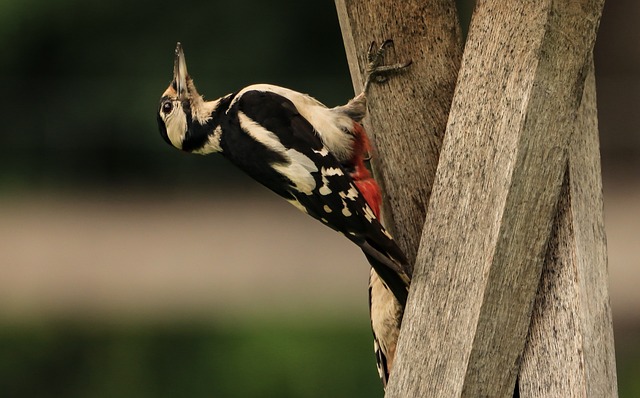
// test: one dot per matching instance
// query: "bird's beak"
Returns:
(180, 74)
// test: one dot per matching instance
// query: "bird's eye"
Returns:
(167, 107)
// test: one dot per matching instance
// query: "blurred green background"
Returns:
(129, 269)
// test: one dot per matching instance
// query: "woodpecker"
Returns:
(312, 156)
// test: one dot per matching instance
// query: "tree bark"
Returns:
(569, 351)
(494, 198)
(408, 113)
(518, 186)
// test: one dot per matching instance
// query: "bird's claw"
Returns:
(376, 70)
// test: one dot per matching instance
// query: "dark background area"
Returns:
(115, 275)
(83, 80)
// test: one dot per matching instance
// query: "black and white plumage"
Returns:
(302, 151)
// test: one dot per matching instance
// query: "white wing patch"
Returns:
(260, 134)
(332, 127)
(298, 166)
(298, 171)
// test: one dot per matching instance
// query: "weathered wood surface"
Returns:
(407, 114)
(494, 198)
(569, 351)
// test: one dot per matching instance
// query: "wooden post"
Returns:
(517, 186)
(494, 198)
(569, 351)
(491, 216)
(408, 115)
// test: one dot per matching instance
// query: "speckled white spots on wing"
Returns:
(327, 209)
(345, 210)
(324, 189)
(323, 152)
(332, 171)
(351, 194)
(328, 172)
(368, 213)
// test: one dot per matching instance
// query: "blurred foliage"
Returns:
(82, 80)
(261, 360)
(248, 360)
(628, 361)
(628, 372)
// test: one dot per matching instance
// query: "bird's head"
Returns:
(178, 103)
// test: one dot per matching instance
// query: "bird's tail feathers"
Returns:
(390, 272)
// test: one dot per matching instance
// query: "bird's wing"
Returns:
(317, 181)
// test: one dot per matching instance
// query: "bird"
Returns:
(309, 154)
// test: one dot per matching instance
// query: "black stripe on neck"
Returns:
(197, 134)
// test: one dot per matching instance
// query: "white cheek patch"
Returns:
(176, 123)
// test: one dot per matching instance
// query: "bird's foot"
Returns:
(376, 70)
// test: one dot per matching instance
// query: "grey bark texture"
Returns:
(494, 198)
(569, 351)
(517, 188)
